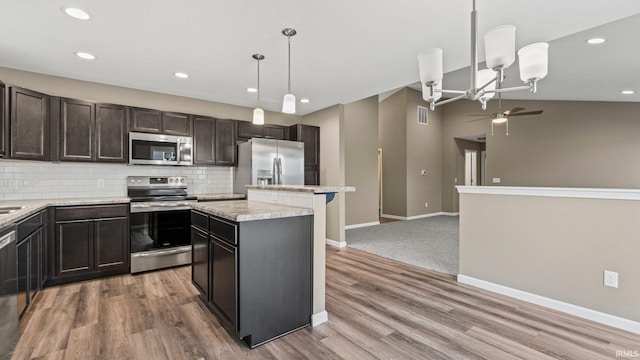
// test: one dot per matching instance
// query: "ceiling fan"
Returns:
(501, 117)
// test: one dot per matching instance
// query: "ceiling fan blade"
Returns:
(484, 118)
(514, 110)
(536, 112)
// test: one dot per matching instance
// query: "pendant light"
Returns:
(289, 101)
(258, 113)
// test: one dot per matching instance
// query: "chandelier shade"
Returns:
(430, 66)
(500, 46)
(534, 61)
(485, 76)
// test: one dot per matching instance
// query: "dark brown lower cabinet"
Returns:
(90, 242)
(260, 274)
(200, 259)
(32, 235)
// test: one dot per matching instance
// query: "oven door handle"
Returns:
(163, 253)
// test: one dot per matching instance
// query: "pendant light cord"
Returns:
(258, 100)
(289, 48)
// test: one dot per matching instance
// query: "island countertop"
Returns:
(246, 210)
(316, 189)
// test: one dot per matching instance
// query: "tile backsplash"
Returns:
(46, 180)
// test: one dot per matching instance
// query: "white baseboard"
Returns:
(355, 226)
(395, 217)
(339, 244)
(589, 314)
(319, 318)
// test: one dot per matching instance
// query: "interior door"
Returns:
(470, 167)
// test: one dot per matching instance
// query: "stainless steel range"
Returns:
(160, 222)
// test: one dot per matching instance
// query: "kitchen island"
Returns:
(252, 263)
(311, 197)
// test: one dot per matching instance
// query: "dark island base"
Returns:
(255, 276)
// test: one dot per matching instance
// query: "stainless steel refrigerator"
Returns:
(269, 162)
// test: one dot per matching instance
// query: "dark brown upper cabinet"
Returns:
(29, 124)
(158, 122)
(310, 136)
(4, 122)
(214, 141)
(225, 142)
(111, 133)
(275, 132)
(203, 140)
(247, 130)
(77, 123)
(92, 132)
(176, 124)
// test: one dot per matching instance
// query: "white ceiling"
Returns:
(344, 50)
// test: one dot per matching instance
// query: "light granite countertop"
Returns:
(316, 189)
(218, 196)
(244, 210)
(33, 206)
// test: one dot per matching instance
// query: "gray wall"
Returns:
(424, 152)
(554, 247)
(392, 141)
(572, 144)
(361, 160)
(331, 163)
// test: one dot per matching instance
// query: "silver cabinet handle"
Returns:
(162, 253)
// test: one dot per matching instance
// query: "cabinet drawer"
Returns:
(224, 230)
(91, 212)
(200, 220)
(31, 224)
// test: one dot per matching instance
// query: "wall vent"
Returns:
(423, 115)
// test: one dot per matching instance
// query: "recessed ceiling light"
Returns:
(304, 101)
(628, 92)
(76, 13)
(181, 75)
(252, 90)
(85, 55)
(594, 41)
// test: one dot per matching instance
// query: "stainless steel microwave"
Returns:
(156, 149)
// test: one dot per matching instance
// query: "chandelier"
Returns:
(484, 84)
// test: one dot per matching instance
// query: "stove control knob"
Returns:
(171, 180)
(139, 181)
(133, 181)
(182, 180)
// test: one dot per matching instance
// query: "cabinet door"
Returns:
(4, 122)
(111, 241)
(248, 130)
(200, 260)
(176, 124)
(29, 125)
(312, 175)
(23, 254)
(74, 248)
(223, 280)
(35, 256)
(111, 133)
(225, 142)
(275, 132)
(146, 120)
(77, 121)
(203, 140)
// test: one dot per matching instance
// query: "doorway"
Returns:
(470, 167)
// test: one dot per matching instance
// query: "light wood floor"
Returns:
(378, 309)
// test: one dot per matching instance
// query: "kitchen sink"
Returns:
(6, 210)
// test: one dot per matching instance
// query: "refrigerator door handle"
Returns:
(277, 171)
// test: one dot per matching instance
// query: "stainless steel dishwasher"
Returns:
(8, 294)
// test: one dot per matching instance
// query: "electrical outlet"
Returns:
(100, 183)
(497, 180)
(426, 204)
(611, 279)
(274, 196)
